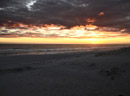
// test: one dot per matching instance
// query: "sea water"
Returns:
(42, 49)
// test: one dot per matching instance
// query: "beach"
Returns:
(64, 47)
(69, 74)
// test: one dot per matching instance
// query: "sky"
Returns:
(65, 21)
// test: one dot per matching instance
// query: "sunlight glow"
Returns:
(91, 34)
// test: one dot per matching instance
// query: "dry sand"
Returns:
(73, 74)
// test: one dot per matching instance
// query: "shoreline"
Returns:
(12, 50)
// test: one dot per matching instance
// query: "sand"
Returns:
(71, 74)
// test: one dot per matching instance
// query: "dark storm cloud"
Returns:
(67, 12)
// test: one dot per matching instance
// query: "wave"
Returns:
(42, 51)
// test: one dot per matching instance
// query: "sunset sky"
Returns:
(65, 21)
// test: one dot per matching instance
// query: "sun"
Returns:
(95, 41)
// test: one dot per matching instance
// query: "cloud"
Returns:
(69, 13)
(101, 13)
(56, 31)
(30, 4)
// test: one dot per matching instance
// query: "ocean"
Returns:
(42, 49)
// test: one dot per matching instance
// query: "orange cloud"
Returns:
(9, 21)
(101, 13)
(91, 20)
(89, 31)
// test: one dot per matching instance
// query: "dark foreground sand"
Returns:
(74, 74)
